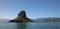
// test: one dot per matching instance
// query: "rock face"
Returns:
(21, 18)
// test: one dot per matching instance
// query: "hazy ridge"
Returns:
(47, 20)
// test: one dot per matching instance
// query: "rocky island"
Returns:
(21, 17)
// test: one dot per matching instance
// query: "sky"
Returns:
(9, 9)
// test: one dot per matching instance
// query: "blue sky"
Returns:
(9, 9)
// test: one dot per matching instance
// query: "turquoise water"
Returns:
(41, 25)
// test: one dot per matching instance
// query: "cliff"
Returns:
(21, 17)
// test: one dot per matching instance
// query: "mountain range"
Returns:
(47, 19)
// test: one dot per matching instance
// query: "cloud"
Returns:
(5, 17)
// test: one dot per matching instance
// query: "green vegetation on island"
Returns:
(21, 18)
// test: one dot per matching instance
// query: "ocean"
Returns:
(29, 25)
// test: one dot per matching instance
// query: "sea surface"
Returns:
(29, 25)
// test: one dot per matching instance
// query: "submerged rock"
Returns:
(21, 18)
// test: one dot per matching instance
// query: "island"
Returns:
(21, 17)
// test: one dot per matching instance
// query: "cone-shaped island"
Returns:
(21, 18)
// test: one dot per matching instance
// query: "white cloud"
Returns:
(5, 17)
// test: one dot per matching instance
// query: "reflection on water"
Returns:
(42, 25)
(21, 25)
(9, 25)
